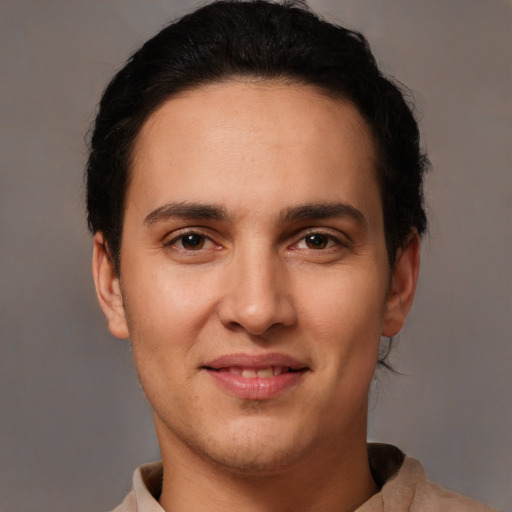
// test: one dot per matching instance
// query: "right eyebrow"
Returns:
(185, 210)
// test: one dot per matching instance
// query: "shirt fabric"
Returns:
(402, 481)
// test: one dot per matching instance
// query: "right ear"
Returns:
(108, 289)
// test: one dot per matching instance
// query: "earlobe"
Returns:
(108, 289)
(403, 286)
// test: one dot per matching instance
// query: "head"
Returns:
(255, 41)
(254, 186)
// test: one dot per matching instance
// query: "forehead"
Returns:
(243, 144)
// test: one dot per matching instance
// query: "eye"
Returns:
(191, 242)
(318, 242)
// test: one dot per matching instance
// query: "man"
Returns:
(255, 194)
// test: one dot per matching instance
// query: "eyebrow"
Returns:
(319, 211)
(310, 211)
(186, 210)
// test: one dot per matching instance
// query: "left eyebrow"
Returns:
(319, 211)
(185, 210)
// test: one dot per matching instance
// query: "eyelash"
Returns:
(181, 236)
(329, 238)
(206, 237)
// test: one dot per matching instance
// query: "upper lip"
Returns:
(255, 361)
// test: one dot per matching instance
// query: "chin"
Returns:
(254, 460)
(252, 451)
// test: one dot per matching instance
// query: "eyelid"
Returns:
(174, 236)
(338, 237)
(341, 239)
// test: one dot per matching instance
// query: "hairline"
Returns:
(285, 79)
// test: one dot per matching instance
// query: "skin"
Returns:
(248, 280)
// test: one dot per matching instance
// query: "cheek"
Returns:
(161, 321)
(167, 314)
(344, 317)
(352, 301)
(165, 300)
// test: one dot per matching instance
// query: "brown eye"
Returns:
(316, 241)
(192, 242)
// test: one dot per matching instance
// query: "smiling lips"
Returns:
(256, 377)
(253, 373)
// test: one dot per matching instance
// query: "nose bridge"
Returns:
(257, 296)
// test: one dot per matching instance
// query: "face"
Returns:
(254, 278)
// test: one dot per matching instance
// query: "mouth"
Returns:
(250, 377)
(255, 372)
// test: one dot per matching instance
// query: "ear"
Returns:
(403, 285)
(108, 288)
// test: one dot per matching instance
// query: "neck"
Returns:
(336, 479)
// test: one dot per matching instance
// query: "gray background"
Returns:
(73, 422)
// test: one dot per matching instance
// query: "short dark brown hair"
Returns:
(265, 40)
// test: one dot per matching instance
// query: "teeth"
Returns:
(261, 373)
(265, 373)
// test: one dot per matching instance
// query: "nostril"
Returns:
(256, 308)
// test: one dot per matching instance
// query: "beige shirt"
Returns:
(404, 487)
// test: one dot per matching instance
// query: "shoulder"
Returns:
(430, 497)
(129, 504)
(147, 485)
(405, 487)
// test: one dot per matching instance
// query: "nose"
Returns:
(258, 295)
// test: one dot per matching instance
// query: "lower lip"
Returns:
(255, 388)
